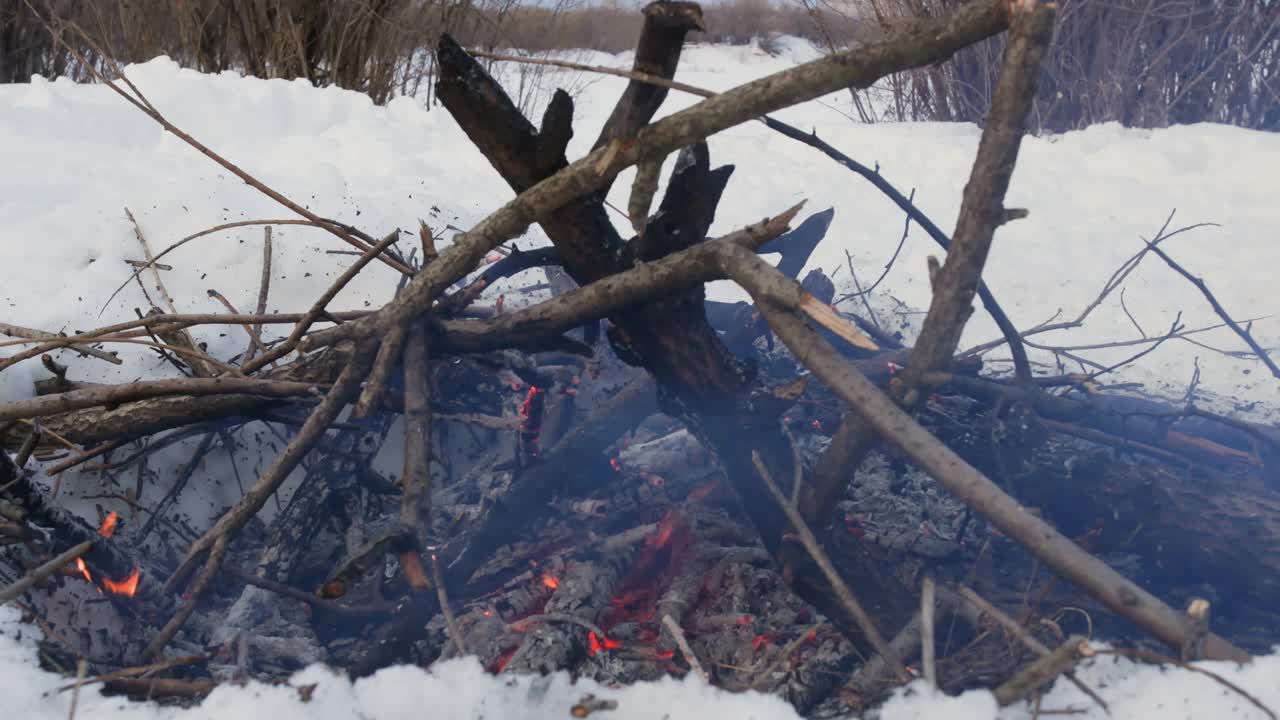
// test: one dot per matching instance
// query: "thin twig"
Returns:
(928, 657)
(1155, 657)
(682, 642)
(1116, 280)
(85, 456)
(318, 308)
(1033, 644)
(196, 236)
(1060, 661)
(140, 101)
(906, 230)
(388, 355)
(15, 590)
(255, 341)
(450, 622)
(138, 671)
(29, 334)
(841, 588)
(155, 648)
(1173, 331)
(82, 667)
(1221, 311)
(117, 394)
(155, 274)
(264, 290)
(346, 386)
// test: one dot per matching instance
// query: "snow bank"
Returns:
(77, 155)
(461, 690)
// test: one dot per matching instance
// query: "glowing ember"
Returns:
(84, 569)
(666, 654)
(529, 400)
(745, 620)
(595, 644)
(333, 589)
(613, 463)
(703, 491)
(126, 587)
(531, 418)
(550, 582)
(759, 642)
(108, 527)
(662, 535)
(500, 663)
(816, 424)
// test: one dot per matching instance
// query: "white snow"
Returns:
(75, 156)
(462, 690)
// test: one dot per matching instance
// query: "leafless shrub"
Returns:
(1142, 63)
(381, 47)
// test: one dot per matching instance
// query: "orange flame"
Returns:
(84, 569)
(550, 582)
(617, 466)
(595, 644)
(108, 527)
(126, 587)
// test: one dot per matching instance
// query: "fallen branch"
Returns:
(1043, 671)
(110, 395)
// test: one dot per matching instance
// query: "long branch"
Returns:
(110, 395)
(978, 492)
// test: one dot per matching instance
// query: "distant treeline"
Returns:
(1144, 63)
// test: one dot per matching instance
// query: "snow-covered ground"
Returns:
(76, 156)
(462, 690)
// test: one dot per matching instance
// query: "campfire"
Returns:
(610, 475)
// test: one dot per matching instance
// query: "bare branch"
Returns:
(117, 394)
(841, 588)
(1221, 311)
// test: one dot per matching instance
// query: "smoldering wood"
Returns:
(675, 342)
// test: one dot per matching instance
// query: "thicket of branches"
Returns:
(382, 47)
(1143, 63)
